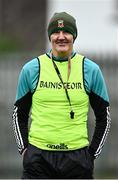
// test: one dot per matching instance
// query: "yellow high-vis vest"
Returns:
(51, 126)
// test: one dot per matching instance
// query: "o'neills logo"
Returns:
(59, 85)
(60, 23)
(57, 146)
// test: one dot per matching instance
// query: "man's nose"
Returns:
(61, 35)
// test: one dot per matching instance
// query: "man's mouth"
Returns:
(62, 43)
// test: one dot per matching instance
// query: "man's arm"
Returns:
(102, 126)
(100, 104)
(20, 121)
(27, 83)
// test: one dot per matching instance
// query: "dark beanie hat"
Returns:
(62, 21)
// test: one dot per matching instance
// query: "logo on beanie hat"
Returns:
(60, 23)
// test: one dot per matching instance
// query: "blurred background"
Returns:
(23, 36)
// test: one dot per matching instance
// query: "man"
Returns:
(57, 87)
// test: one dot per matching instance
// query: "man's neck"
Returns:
(58, 58)
(62, 55)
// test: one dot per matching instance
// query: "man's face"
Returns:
(62, 43)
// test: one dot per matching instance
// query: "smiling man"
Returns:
(58, 87)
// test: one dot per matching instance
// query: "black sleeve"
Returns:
(20, 121)
(102, 125)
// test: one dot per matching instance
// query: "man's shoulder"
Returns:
(90, 64)
(31, 64)
(44, 56)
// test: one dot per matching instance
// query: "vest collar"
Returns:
(60, 59)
